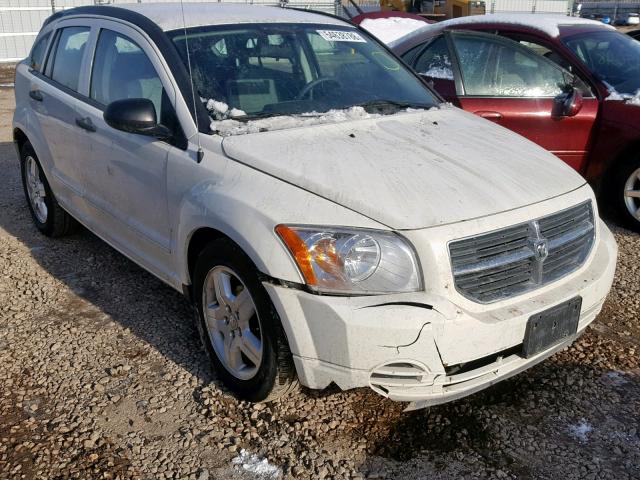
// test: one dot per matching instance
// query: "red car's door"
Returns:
(502, 81)
(567, 137)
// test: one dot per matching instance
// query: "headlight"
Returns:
(338, 260)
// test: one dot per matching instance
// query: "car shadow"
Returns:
(99, 275)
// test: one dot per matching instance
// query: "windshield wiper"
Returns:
(253, 116)
(383, 104)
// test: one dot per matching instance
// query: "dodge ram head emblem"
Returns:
(541, 249)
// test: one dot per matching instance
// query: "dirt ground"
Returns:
(102, 376)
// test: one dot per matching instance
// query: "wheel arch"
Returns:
(19, 138)
(625, 154)
(262, 258)
(198, 240)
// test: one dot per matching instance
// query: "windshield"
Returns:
(612, 56)
(256, 71)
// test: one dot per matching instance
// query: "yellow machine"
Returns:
(436, 9)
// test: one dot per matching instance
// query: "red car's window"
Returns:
(611, 56)
(494, 67)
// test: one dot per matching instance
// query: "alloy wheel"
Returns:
(233, 323)
(35, 189)
(632, 194)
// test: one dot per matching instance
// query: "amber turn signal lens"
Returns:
(300, 252)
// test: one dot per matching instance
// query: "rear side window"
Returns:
(36, 59)
(435, 61)
(69, 51)
(122, 70)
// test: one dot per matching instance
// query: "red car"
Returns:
(569, 84)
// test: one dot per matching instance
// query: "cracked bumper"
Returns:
(400, 345)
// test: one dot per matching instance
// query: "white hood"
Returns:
(411, 170)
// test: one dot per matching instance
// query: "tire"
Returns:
(223, 271)
(47, 214)
(625, 179)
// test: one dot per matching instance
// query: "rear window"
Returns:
(67, 59)
(38, 51)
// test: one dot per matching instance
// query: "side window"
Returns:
(558, 60)
(67, 59)
(122, 70)
(36, 59)
(491, 67)
(435, 61)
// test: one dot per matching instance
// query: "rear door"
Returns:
(53, 95)
(513, 86)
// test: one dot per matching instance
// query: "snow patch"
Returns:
(439, 72)
(614, 95)
(220, 110)
(616, 378)
(548, 24)
(230, 127)
(581, 430)
(391, 28)
(260, 467)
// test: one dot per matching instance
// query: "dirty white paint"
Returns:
(434, 176)
(411, 170)
(435, 325)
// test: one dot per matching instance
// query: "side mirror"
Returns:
(568, 104)
(135, 115)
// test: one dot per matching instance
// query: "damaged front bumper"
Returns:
(423, 348)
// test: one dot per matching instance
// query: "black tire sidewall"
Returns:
(225, 253)
(617, 194)
(48, 226)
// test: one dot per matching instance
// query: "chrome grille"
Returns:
(511, 261)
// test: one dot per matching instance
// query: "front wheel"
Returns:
(239, 325)
(626, 192)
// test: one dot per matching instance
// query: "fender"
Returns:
(246, 205)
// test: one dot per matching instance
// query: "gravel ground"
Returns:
(103, 377)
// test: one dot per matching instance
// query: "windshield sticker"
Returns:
(340, 36)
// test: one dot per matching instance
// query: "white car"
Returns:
(628, 19)
(329, 217)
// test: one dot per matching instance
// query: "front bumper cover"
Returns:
(402, 346)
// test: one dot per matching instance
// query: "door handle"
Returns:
(36, 95)
(489, 115)
(86, 124)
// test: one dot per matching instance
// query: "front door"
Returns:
(514, 87)
(126, 185)
(511, 85)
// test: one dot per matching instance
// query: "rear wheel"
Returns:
(239, 326)
(47, 214)
(626, 192)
